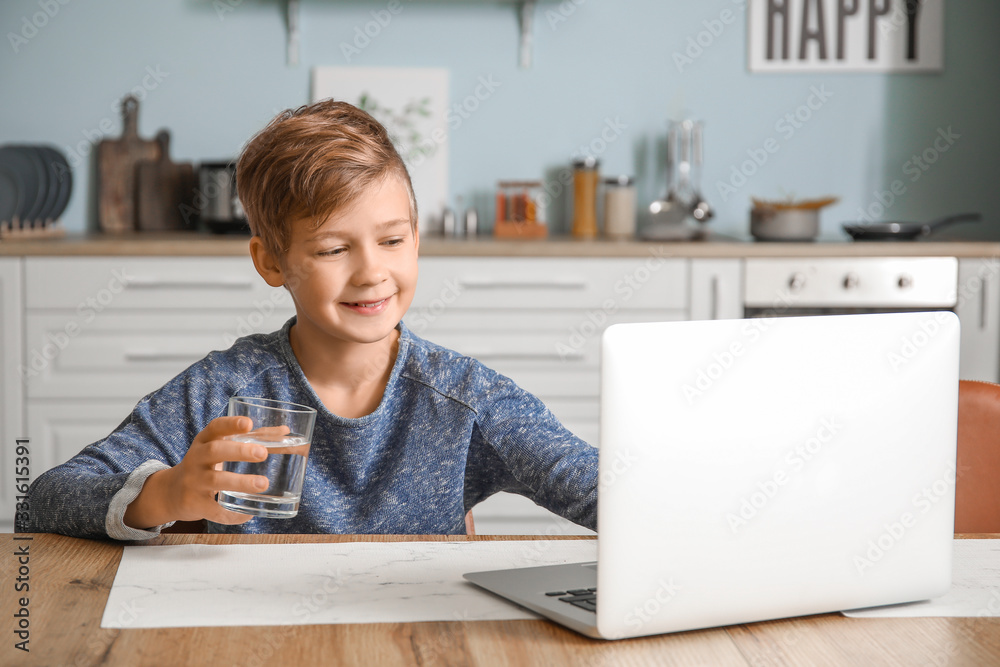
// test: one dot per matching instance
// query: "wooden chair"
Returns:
(977, 490)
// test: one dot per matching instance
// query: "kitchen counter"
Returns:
(713, 245)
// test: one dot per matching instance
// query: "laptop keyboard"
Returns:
(584, 598)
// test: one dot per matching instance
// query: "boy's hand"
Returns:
(187, 491)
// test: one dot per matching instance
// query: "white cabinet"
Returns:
(102, 332)
(67, 426)
(539, 321)
(979, 311)
(92, 335)
(716, 289)
(11, 406)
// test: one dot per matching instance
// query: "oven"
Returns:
(969, 287)
(777, 287)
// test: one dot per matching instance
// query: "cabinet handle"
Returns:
(503, 283)
(574, 355)
(983, 303)
(153, 355)
(715, 298)
(146, 282)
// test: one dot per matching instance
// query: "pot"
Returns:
(903, 231)
(791, 224)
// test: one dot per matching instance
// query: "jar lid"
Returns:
(519, 184)
(622, 180)
(588, 162)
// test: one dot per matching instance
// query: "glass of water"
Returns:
(285, 429)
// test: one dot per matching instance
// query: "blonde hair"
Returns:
(309, 163)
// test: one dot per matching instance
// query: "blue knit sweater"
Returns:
(448, 434)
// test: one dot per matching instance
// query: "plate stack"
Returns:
(35, 185)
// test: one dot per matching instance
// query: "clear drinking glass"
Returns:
(285, 429)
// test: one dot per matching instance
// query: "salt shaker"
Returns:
(471, 221)
(448, 222)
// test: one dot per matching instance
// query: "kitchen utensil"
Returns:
(116, 162)
(900, 231)
(28, 182)
(685, 158)
(792, 204)
(912, 14)
(669, 232)
(51, 184)
(787, 220)
(769, 224)
(668, 210)
(164, 191)
(701, 210)
(11, 186)
(60, 174)
(221, 210)
(36, 179)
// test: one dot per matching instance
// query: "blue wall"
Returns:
(222, 74)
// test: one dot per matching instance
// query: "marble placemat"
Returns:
(296, 584)
(975, 587)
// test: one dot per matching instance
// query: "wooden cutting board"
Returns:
(116, 162)
(164, 191)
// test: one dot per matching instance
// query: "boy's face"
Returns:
(354, 276)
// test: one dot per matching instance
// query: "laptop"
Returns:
(760, 469)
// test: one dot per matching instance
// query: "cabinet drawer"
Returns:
(551, 282)
(547, 353)
(568, 337)
(96, 284)
(60, 429)
(119, 355)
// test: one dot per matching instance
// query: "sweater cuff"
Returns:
(114, 522)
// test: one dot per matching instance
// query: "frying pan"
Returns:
(900, 231)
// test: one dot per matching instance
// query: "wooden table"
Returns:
(70, 580)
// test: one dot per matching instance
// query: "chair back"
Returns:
(977, 490)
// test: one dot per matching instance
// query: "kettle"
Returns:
(219, 204)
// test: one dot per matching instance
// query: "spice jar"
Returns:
(619, 207)
(585, 197)
(520, 211)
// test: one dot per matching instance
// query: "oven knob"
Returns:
(905, 281)
(851, 281)
(797, 281)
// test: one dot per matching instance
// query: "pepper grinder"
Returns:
(585, 197)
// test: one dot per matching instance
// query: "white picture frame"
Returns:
(412, 103)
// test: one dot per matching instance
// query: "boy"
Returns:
(408, 436)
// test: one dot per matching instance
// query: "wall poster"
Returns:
(846, 35)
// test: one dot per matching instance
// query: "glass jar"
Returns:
(520, 210)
